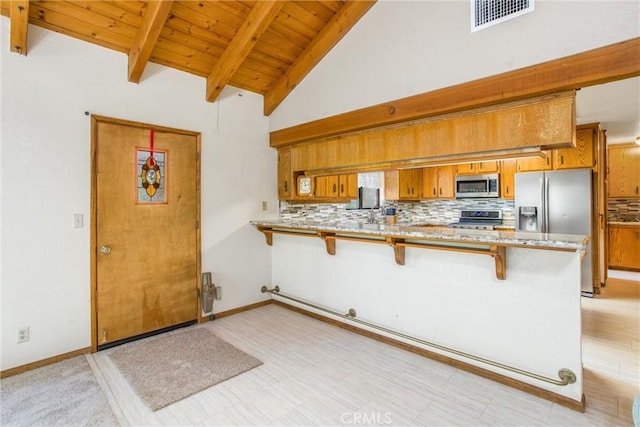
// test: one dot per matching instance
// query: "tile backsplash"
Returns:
(623, 210)
(426, 211)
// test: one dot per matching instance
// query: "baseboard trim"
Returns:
(238, 310)
(519, 385)
(44, 362)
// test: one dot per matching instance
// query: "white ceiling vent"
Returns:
(485, 13)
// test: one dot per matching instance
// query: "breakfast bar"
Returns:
(508, 299)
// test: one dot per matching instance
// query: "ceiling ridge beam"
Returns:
(256, 23)
(19, 22)
(344, 19)
(147, 36)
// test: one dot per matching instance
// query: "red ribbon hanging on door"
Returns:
(151, 159)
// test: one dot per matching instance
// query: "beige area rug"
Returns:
(64, 394)
(166, 368)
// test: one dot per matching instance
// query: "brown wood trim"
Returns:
(93, 237)
(601, 65)
(19, 22)
(519, 385)
(238, 310)
(500, 256)
(345, 18)
(44, 362)
(621, 145)
(198, 279)
(156, 128)
(329, 241)
(147, 36)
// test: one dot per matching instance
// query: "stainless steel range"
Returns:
(478, 219)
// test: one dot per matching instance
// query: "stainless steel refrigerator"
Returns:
(557, 202)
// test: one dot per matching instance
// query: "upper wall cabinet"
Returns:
(537, 163)
(348, 186)
(285, 177)
(477, 168)
(623, 170)
(582, 156)
(404, 184)
(507, 180)
(438, 182)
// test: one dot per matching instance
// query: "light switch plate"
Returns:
(78, 221)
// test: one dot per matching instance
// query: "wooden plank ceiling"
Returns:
(266, 47)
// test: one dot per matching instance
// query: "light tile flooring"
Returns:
(317, 374)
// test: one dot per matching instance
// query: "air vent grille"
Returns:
(485, 13)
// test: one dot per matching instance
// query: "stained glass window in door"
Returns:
(151, 176)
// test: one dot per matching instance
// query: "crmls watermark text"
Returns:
(365, 418)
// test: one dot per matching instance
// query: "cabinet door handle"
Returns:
(561, 159)
(342, 188)
(507, 189)
(636, 189)
(440, 191)
(286, 186)
(335, 188)
(434, 191)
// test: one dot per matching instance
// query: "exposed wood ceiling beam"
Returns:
(19, 21)
(245, 39)
(152, 22)
(605, 64)
(344, 19)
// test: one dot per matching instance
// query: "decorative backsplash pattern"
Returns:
(623, 210)
(441, 212)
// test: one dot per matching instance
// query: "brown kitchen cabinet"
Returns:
(348, 186)
(582, 156)
(403, 184)
(336, 187)
(285, 176)
(326, 187)
(438, 182)
(624, 247)
(537, 163)
(623, 166)
(507, 179)
(477, 168)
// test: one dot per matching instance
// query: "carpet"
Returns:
(167, 368)
(64, 393)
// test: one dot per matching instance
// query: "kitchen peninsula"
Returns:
(520, 309)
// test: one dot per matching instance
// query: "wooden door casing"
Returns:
(150, 279)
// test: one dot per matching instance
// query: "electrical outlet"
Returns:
(23, 334)
(264, 205)
(218, 293)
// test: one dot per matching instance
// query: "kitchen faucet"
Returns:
(372, 214)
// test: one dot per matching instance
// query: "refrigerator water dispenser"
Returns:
(528, 218)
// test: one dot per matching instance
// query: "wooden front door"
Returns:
(145, 227)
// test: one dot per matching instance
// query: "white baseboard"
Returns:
(626, 275)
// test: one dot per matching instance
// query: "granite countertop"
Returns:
(436, 233)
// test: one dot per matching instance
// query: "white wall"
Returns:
(403, 48)
(530, 321)
(45, 179)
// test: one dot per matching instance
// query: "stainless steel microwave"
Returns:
(477, 186)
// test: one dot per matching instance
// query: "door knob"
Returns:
(105, 250)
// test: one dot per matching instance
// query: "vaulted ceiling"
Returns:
(266, 47)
